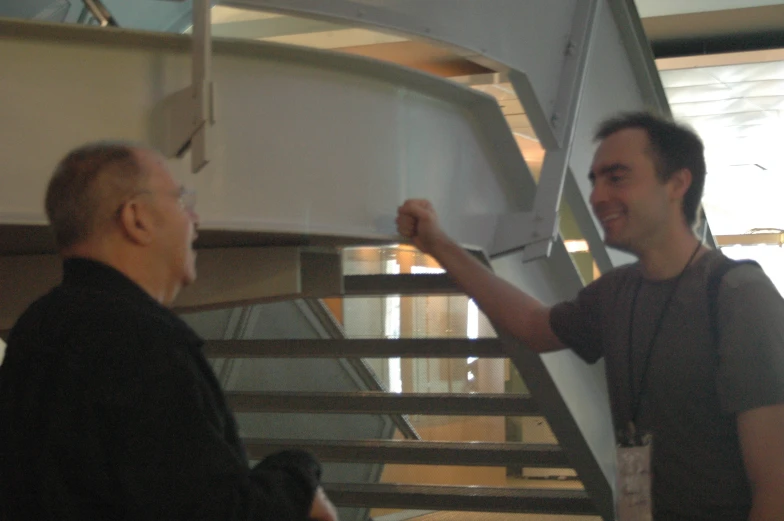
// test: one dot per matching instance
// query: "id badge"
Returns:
(634, 481)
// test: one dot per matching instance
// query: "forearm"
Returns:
(762, 443)
(507, 306)
(767, 503)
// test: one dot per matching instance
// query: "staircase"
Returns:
(406, 500)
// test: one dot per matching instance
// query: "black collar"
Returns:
(93, 274)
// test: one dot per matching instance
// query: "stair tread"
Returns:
(463, 445)
(484, 454)
(474, 490)
(456, 497)
(377, 402)
(356, 347)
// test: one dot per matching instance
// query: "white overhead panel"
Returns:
(649, 8)
(496, 36)
(307, 143)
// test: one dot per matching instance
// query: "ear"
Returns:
(679, 183)
(136, 222)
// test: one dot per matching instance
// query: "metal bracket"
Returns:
(190, 112)
(536, 231)
(510, 227)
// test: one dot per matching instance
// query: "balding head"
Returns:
(88, 186)
(119, 204)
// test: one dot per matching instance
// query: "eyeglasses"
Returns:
(186, 197)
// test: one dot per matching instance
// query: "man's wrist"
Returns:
(440, 246)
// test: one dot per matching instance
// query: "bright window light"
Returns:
(576, 246)
(472, 321)
(392, 329)
(395, 376)
(426, 270)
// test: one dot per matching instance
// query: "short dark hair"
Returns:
(673, 146)
(87, 186)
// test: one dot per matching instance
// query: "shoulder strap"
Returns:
(714, 284)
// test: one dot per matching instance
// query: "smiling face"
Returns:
(633, 205)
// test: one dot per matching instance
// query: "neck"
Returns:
(133, 264)
(670, 256)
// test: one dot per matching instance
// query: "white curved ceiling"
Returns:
(648, 8)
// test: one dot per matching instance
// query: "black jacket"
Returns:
(109, 410)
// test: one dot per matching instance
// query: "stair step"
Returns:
(356, 348)
(373, 402)
(404, 284)
(476, 499)
(418, 452)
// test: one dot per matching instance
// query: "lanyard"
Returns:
(636, 395)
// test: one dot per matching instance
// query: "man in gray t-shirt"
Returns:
(715, 407)
(685, 389)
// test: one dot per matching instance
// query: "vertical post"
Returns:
(544, 218)
(189, 113)
(535, 232)
(202, 83)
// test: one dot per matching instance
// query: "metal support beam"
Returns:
(384, 403)
(226, 277)
(641, 58)
(100, 13)
(704, 231)
(566, 430)
(232, 276)
(584, 217)
(536, 231)
(191, 111)
(404, 284)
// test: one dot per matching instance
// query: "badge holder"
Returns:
(633, 457)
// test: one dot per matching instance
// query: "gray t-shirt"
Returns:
(692, 390)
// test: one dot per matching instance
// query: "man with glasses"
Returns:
(108, 408)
